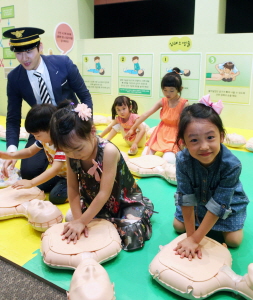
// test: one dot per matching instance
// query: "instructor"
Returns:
(38, 79)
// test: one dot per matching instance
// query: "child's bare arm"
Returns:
(12, 157)
(73, 192)
(73, 230)
(110, 161)
(108, 128)
(206, 225)
(143, 117)
(189, 219)
(20, 154)
(45, 176)
(139, 134)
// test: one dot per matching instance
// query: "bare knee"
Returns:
(234, 238)
(178, 226)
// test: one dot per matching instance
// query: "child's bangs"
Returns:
(121, 101)
(67, 141)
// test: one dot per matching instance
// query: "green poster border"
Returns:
(8, 57)
(150, 95)
(206, 86)
(183, 53)
(5, 29)
(6, 7)
(108, 76)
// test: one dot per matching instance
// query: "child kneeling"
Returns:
(99, 179)
(53, 179)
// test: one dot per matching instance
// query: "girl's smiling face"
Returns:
(202, 139)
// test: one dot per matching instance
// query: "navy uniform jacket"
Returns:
(66, 82)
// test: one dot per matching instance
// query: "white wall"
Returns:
(208, 37)
(233, 115)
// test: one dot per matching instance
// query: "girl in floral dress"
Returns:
(99, 179)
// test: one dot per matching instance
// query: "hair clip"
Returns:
(84, 112)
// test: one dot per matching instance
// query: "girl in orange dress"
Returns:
(164, 136)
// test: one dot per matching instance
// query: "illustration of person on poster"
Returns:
(226, 71)
(185, 72)
(137, 69)
(98, 69)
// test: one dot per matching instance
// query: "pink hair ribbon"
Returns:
(93, 170)
(218, 106)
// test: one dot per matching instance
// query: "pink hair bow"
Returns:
(84, 112)
(93, 170)
(218, 106)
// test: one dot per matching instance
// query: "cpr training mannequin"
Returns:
(90, 280)
(29, 203)
(151, 165)
(102, 244)
(200, 278)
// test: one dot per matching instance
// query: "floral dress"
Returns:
(126, 207)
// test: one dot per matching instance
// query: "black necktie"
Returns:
(44, 95)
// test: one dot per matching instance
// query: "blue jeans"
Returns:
(57, 189)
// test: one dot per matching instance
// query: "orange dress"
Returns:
(164, 136)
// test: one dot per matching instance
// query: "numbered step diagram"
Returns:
(135, 74)
(228, 77)
(97, 73)
(189, 66)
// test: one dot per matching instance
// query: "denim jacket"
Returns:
(216, 187)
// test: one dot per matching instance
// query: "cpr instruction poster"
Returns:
(97, 72)
(228, 77)
(135, 74)
(189, 65)
(7, 19)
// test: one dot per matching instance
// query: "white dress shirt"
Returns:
(42, 68)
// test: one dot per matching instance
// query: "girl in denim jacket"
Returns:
(209, 193)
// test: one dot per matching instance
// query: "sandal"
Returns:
(132, 152)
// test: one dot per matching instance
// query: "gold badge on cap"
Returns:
(18, 33)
